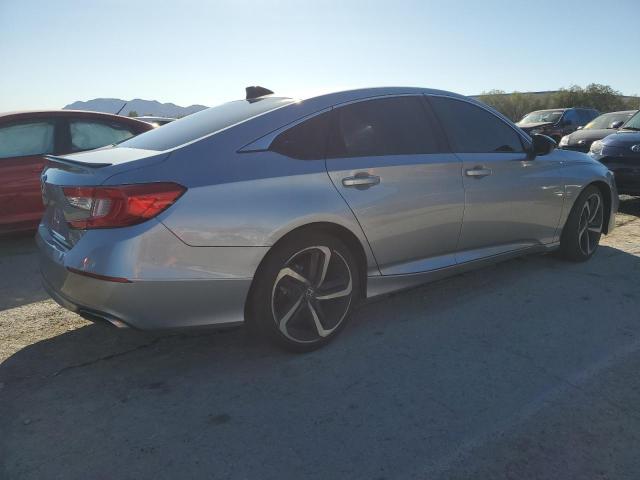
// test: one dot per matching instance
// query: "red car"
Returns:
(25, 137)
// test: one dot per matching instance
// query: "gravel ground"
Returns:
(526, 369)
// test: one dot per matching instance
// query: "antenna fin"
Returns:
(257, 91)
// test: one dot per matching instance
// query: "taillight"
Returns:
(120, 206)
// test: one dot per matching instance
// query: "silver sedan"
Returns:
(284, 214)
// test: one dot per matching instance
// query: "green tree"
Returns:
(633, 103)
(601, 97)
(513, 105)
(133, 113)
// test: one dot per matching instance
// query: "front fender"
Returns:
(579, 171)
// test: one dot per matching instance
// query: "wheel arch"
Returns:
(606, 196)
(341, 232)
(606, 192)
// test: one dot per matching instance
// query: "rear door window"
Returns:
(471, 129)
(383, 126)
(89, 134)
(23, 139)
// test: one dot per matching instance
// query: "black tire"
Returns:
(277, 292)
(583, 229)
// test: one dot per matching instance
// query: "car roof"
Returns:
(151, 117)
(56, 112)
(361, 93)
(336, 98)
(28, 114)
(564, 109)
(552, 110)
(620, 112)
(345, 96)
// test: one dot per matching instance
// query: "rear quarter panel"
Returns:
(245, 199)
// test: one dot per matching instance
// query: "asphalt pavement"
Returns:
(526, 369)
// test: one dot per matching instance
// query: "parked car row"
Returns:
(611, 138)
(25, 139)
(620, 153)
(596, 129)
(557, 122)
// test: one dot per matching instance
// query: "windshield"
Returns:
(203, 123)
(540, 116)
(633, 123)
(605, 121)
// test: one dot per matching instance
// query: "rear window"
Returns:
(89, 134)
(203, 123)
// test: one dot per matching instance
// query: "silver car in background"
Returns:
(286, 213)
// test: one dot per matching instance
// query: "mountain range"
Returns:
(140, 106)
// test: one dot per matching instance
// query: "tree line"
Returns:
(601, 97)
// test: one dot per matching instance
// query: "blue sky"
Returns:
(184, 51)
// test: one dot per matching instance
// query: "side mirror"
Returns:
(617, 124)
(580, 127)
(542, 145)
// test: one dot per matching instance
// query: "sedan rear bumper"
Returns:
(142, 304)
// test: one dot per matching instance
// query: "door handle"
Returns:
(359, 180)
(478, 172)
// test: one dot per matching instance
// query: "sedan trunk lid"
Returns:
(90, 168)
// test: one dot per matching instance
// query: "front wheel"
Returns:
(305, 291)
(581, 234)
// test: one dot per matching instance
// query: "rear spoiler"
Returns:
(73, 163)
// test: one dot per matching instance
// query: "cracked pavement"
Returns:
(523, 370)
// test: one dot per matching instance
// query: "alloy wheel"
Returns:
(590, 224)
(312, 294)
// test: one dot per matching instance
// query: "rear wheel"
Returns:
(581, 234)
(304, 291)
